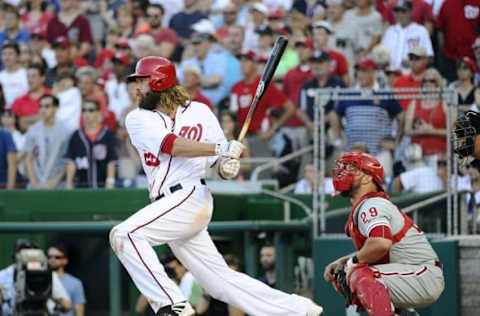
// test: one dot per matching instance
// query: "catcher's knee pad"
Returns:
(372, 294)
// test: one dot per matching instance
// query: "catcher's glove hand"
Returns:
(341, 285)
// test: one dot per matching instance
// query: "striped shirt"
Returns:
(368, 121)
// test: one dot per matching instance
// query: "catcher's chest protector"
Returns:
(352, 231)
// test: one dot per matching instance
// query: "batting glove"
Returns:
(230, 149)
(228, 168)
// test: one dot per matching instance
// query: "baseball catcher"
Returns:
(394, 265)
(466, 143)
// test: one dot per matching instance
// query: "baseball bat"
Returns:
(268, 71)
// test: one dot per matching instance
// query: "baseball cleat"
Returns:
(178, 309)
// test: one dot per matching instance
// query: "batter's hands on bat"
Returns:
(228, 168)
(230, 149)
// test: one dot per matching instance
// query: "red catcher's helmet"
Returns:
(161, 72)
(343, 173)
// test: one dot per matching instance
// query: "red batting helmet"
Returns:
(343, 173)
(161, 72)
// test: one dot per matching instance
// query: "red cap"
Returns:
(61, 42)
(366, 64)
(122, 42)
(276, 14)
(307, 42)
(123, 58)
(469, 62)
(39, 32)
(249, 54)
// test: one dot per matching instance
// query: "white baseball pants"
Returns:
(180, 219)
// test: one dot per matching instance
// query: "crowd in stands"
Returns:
(64, 94)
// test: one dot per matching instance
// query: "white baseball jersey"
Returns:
(149, 131)
(414, 247)
(401, 40)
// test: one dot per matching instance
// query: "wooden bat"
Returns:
(268, 71)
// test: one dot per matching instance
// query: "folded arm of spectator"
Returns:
(30, 173)
(70, 169)
(12, 170)
(211, 81)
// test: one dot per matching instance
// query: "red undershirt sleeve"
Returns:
(381, 231)
(167, 144)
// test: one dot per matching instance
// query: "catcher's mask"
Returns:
(464, 134)
(349, 164)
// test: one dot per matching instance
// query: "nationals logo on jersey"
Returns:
(191, 132)
(151, 160)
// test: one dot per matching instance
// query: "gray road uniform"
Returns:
(411, 270)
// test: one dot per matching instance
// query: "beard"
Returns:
(149, 101)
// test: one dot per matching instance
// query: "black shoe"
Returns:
(178, 309)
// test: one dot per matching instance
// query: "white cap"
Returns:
(204, 26)
(142, 44)
(192, 68)
(333, 2)
(260, 7)
(323, 25)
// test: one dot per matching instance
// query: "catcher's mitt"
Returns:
(341, 285)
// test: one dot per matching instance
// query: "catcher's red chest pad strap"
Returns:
(351, 227)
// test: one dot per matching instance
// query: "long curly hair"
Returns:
(166, 101)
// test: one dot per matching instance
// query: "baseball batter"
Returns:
(394, 263)
(176, 139)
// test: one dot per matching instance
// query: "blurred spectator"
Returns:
(213, 61)
(366, 27)
(468, 94)
(125, 22)
(27, 106)
(476, 52)
(143, 45)
(242, 94)
(46, 142)
(305, 185)
(230, 14)
(234, 39)
(182, 22)
(422, 12)
(184, 278)
(293, 82)
(267, 261)
(36, 15)
(339, 64)
(419, 178)
(13, 77)
(8, 160)
(91, 152)
(116, 86)
(419, 61)
(192, 82)
(73, 25)
(98, 19)
(358, 115)
(165, 38)
(70, 100)
(320, 64)
(12, 31)
(425, 120)
(210, 306)
(57, 261)
(65, 60)
(343, 38)
(258, 12)
(9, 121)
(40, 46)
(458, 22)
(402, 37)
(87, 78)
